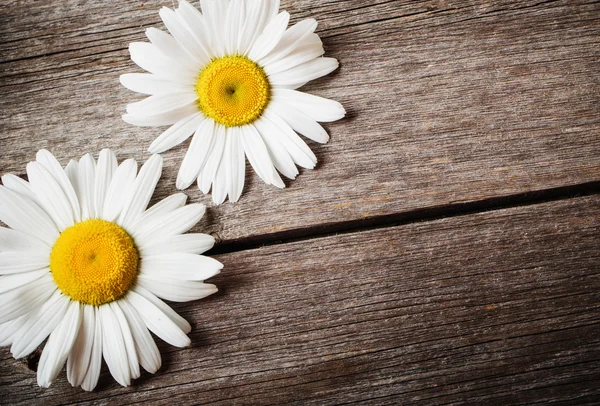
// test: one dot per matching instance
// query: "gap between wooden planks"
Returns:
(500, 307)
(448, 102)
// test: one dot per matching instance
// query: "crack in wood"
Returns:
(414, 216)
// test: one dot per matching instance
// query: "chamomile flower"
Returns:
(86, 264)
(229, 76)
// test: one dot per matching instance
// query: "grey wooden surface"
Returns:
(502, 306)
(448, 101)
(466, 269)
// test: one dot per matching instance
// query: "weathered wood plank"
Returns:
(448, 101)
(500, 307)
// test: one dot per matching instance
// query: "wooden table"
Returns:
(445, 250)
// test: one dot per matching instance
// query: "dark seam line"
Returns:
(413, 216)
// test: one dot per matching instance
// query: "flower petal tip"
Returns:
(182, 185)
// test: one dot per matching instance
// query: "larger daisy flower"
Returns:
(228, 75)
(85, 263)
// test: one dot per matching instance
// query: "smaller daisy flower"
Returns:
(86, 264)
(229, 76)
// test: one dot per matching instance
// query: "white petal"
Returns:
(22, 214)
(292, 86)
(39, 325)
(72, 172)
(271, 9)
(318, 108)
(147, 83)
(165, 206)
(113, 346)
(141, 191)
(189, 243)
(176, 222)
(260, 14)
(93, 371)
(220, 182)
(180, 266)
(258, 155)
(298, 150)
(134, 366)
(305, 72)
(170, 48)
(300, 122)
(50, 195)
(81, 352)
(178, 29)
(25, 298)
(194, 23)
(175, 290)
(149, 58)
(156, 321)
(215, 16)
(312, 38)
(249, 31)
(48, 161)
(208, 172)
(235, 17)
(86, 186)
(277, 182)
(9, 329)
(290, 40)
(146, 349)
(13, 240)
(179, 321)
(160, 120)
(177, 133)
(236, 165)
(162, 103)
(270, 37)
(19, 261)
(304, 54)
(197, 154)
(278, 153)
(9, 282)
(18, 185)
(120, 185)
(107, 165)
(59, 345)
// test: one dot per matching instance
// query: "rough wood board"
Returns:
(448, 101)
(500, 307)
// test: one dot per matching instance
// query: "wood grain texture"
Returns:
(500, 307)
(448, 101)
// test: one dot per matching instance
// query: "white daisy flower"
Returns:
(228, 75)
(85, 264)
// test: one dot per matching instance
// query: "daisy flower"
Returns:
(86, 264)
(229, 76)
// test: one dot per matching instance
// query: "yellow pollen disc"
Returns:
(233, 90)
(94, 262)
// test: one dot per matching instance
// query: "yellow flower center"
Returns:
(94, 262)
(233, 90)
